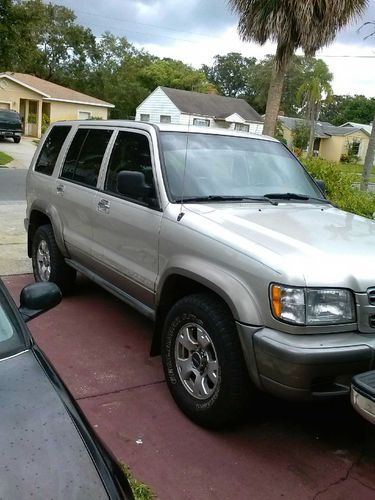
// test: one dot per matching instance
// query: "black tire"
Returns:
(229, 395)
(60, 273)
(17, 140)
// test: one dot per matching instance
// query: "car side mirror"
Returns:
(38, 298)
(133, 185)
(321, 185)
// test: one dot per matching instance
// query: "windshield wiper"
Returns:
(295, 196)
(192, 199)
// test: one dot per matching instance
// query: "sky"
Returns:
(194, 31)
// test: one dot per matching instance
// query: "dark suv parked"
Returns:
(10, 125)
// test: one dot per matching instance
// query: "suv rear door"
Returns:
(126, 228)
(76, 186)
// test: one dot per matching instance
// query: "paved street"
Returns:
(291, 451)
(12, 185)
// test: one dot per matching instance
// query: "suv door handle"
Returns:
(103, 206)
(60, 189)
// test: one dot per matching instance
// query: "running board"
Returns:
(120, 294)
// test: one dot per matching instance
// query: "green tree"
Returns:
(174, 74)
(315, 88)
(346, 108)
(300, 135)
(259, 81)
(230, 73)
(310, 24)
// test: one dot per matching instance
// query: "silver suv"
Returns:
(253, 279)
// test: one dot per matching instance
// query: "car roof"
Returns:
(165, 127)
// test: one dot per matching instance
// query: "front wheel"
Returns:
(203, 361)
(17, 140)
(48, 263)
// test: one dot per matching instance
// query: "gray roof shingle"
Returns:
(211, 104)
(322, 129)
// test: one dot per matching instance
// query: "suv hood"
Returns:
(325, 245)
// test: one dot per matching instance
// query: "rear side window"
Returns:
(85, 155)
(51, 149)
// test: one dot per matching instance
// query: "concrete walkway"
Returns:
(21, 153)
(13, 251)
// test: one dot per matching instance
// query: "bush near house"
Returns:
(339, 188)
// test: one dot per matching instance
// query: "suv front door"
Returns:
(125, 227)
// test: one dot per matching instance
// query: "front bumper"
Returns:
(10, 133)
(305, 367)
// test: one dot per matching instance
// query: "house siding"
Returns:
(156, 104)
(70, 111)
(331, 149)
(12, 93)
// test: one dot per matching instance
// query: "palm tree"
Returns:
(370, 153)
(315, 89)
(309, 24)
(369, 159)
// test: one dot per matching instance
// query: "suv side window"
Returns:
(131, 152)
(51, 149)
(85, 155)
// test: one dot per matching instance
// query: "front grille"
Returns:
(371, 295)
(372, 320)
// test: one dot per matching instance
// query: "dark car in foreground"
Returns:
(10, 125)
(48, 449)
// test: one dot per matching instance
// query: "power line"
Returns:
(144, 33)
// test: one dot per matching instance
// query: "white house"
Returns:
(167, 105)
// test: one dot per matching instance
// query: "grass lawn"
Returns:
(355, 168)
(4, 159)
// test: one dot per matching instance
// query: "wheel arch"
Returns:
(179, 282)
(40, 216)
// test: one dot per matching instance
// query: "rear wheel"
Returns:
(17, 140)
(48, 262)
(203, 361)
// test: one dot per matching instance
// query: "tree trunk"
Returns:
(274, 98)
(369, 159)
(310, 149)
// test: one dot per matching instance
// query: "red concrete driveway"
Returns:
(100, 348)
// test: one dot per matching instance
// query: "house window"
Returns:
(145, 118)
(165, 119)
(201, 122)
(84, 115)
(241, 127)
(354, 148)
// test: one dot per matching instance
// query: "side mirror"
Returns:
(38, 298)
(321, 185)
(133, 185)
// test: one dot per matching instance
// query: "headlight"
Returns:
(312, 306)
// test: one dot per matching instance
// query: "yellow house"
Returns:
(37, 100)
(331, 142)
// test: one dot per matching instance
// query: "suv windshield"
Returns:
(204, 165)
(11, 338)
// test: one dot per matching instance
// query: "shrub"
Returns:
(32, 118)
(45, 122)
(301, 134)
(339, 187)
